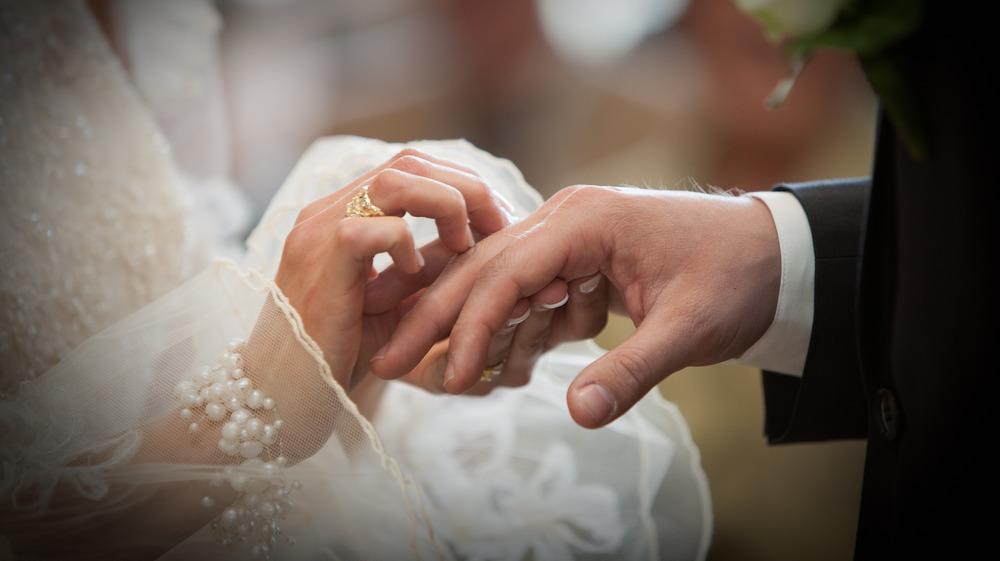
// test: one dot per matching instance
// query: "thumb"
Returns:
(612, 384)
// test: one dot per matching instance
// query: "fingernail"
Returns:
(449, 375)
(590, 285)
(471, 238)
(420, 258)
(379, 354)
(518, 320)
(598, 403)
(553, 306)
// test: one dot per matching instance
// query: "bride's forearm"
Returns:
(177, 480)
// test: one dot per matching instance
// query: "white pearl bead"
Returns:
(193, 428)
(215, 411)
(255, 427)
(236, 346)
(255, 399)
(251, 500)
(238, 482)
(218, 392)
(205, 376)
(267, 509)
(230, 431)
(243, 385)
(281, 461)
(268, 403)
(236, 373)
(186, 413)
(234, 402)
(240, 416)
(267, 435)
(278, 423)
(228, 447)
(207, 501)
(229, 517)
(232, 360)
(251, 449)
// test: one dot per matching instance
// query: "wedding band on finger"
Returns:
(361, 206)
(490, 371)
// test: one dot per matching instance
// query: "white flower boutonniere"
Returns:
(871, 29)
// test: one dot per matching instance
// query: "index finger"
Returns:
(489, 280)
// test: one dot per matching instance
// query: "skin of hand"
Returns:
(326, 263)
(698, 274)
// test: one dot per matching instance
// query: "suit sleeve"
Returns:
(828, 401)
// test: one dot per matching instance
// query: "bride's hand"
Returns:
(327, 258)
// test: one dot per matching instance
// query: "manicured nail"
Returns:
(598, 403)
(449, 375)
(471, 238)
(519, 320)
(420, 259)
(590, 284)
(558, 304)
(379, 354)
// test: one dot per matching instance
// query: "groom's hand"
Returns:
(698, 274)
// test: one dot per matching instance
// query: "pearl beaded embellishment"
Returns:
(225, 397)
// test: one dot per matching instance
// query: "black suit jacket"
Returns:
(904, 338)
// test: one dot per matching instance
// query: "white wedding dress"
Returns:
(110, 335)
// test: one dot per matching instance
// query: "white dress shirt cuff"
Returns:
(784, 345)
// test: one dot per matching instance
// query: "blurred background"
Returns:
(652, 93)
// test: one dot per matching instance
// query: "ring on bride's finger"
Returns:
(490, 371)
(361, 206)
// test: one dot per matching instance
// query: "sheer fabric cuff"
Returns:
(784, 345)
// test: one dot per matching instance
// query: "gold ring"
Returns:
(490, 371)
(361, 206)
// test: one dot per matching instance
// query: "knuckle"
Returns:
(386, 182)
(479, 187)
(409, 151)
(306, 212)
(301, 236)
(577, 193)
(410, 163)
(347, 232)
(634, 371)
